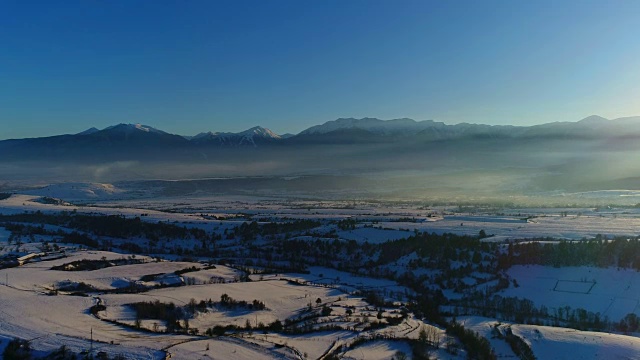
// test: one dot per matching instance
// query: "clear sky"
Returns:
(192, 66)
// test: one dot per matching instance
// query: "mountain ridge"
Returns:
(129, 140)
(399, 126)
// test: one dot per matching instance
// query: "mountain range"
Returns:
(136, 141)
(593, 153)
(343, 130)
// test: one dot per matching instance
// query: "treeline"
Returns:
(523, 311)
(516, 343)
(248, 231)
(477, 346)
(435, 250)
(80, 239)
(177, 318)
(117, 226)
(167, 312)
(90, 265)
(231, 303)
(347, 224)
(600, 252)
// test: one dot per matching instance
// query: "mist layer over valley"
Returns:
(556, 163)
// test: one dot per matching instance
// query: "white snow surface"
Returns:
(559, 343)
(79, 191)
(609, 291)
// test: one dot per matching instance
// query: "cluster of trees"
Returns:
(601, 252)
(248, 231)
(477, 346)
(347, 224)
(177, 317)
(435, 250)
(117, 226)
(20, 349)
(17, 349)
(517, 345)
(230, 303)
(275, 228)
(219, 330)
(80, 239)
(524, 311)
(167, 312)
(629, 324)
(90, 265)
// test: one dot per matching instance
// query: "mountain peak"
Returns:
(260, 132)
(403, 126)
(247, 137)
(128, 128)
(593, 119)
(88, 131)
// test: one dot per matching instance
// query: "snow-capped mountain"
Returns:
(251, 137)
(383, 127)
(128, 141)
(426, 129)
(133, 128)
(590, 127)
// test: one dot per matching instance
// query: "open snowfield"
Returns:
(228, 348)
(24, 301)
(79, 191)
(348, 281)
(37, 276)
(54, 320)
(200, 211)
(611, 292)
(281, 299)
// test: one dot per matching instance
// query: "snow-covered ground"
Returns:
(559, 343)
(382, 349)
(281, 299)
(50, 321)
(28, 312)
(518, 223)
(611, 292)
(79, 191)
(226, 348)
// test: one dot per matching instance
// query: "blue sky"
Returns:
(192, 66)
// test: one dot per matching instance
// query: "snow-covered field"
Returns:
(29, 310)
(50, 321)
(558, 343)
(611, 292)
(79, 191)
(387, 220)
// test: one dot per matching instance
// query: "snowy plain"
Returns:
(24, 300)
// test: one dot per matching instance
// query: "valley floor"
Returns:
(210, 280)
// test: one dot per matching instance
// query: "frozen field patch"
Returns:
(608, 291)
